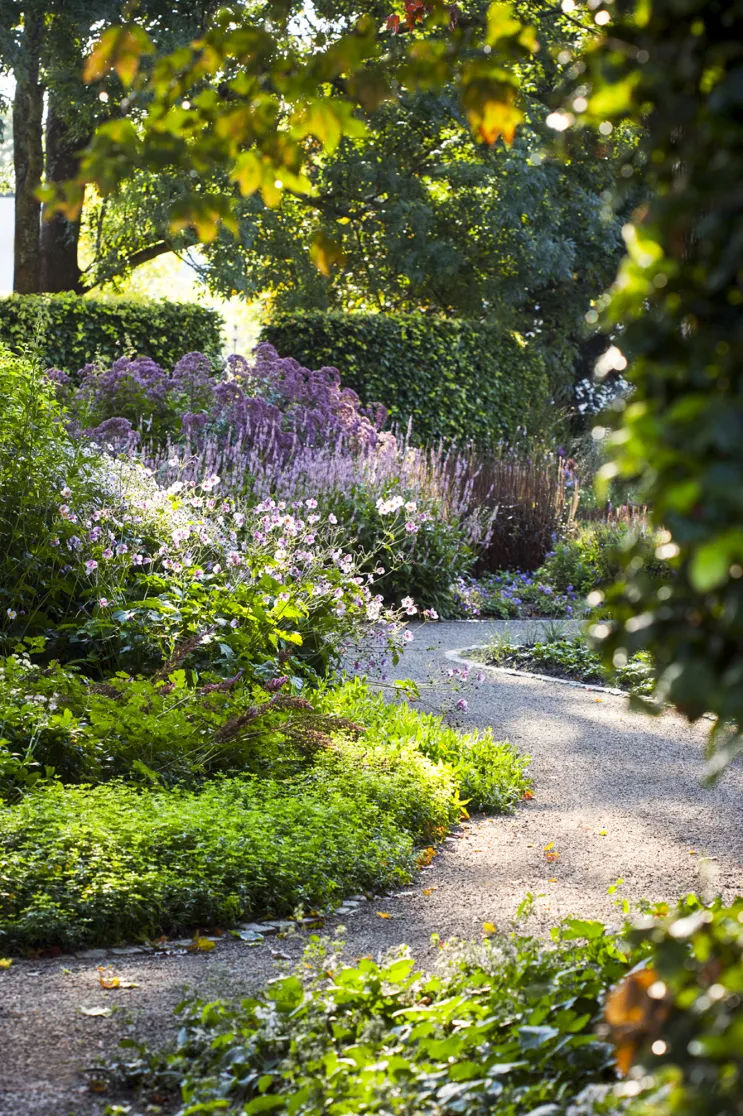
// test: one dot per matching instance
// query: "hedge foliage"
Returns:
(66, 331)
(457, 380)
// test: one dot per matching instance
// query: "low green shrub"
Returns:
(89, 865)
(68, 332)
(490, 775)
(591, 557)
(507, 1026)
(645, 1022)
(573, 658)
(456, 380)
(417, 560)
(99, 865)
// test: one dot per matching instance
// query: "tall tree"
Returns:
(43, 45)
(28, 154)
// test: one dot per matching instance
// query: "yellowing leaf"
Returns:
(201, 945)
(425, 857)
(326, 253)
(120, 49)
(109, 981)
(5, 962)
(383, 914)
(501, 22)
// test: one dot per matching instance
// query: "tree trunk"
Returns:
(59, 237)
(28, 158)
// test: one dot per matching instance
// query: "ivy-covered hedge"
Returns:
(66, 331)
(467, 381)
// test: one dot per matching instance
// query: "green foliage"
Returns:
(490, 775)
(419, 565)
(453, 379)
(38, 460)
(178, 727)
(591, 557)
(66, 332)
(679, 297)
(690, 1003)
(573, 658)
(85, 865)
(104, 864)
(507, 1026)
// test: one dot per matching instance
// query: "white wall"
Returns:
(7, 215)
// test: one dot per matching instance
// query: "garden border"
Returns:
(456, 657)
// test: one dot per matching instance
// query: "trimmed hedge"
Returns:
(66, 331)
(456, 380)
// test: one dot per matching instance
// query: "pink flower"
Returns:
(122, 548)
(408, 636)
(103, 602)
(108, 552)
(91, 565)
(462, 705)
(311, 503)
(411, 527)
(332, 518)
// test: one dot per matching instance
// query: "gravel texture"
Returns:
(616, 794)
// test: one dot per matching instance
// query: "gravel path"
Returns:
(618, 794)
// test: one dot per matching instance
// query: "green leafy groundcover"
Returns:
(644, 1022)
(87, 865)
(505, 1026)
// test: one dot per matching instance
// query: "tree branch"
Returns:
(151, 252)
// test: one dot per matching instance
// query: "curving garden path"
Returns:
(616, 794)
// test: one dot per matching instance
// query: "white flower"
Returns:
(408, 636)
(11, 613)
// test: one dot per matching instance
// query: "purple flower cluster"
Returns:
(271, 402)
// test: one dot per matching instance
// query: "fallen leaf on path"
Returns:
(489, 928)
(692, 852)
(550, 852)
(553, 880)
(528, 794)
(95, 1010)
(200, 945)
(108, 981)
(383, 914)
(598, 699)
(425, 856)
(602, 833)
(429, 890)
(5, 962)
